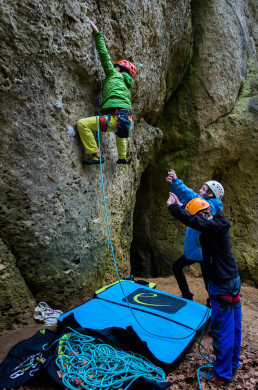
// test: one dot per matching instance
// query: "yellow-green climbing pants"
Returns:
(87, 125)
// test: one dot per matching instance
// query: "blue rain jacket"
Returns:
(192, 247)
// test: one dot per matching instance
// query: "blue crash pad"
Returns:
(166, 323)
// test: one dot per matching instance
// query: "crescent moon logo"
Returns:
(137, 298)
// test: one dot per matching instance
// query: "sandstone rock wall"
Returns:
(210, 131)
(192, 59)
(17, 302)
(52, 211)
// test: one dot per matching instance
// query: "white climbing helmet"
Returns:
(216, 188)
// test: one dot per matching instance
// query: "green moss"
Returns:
(179, 149)
(181, 134)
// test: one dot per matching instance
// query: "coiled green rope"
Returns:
(85, 362)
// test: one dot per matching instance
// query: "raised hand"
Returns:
(173, 199)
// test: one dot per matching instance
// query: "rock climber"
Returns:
(212, 191)
(116, 109)
(224, 287)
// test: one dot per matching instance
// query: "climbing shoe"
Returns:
(93, 160)
(214, 378)
(122, 161)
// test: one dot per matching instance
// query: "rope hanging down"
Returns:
(203, 321)
(85, 362)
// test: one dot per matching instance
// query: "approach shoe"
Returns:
(93, 160)
(214, 378)
(122, 161)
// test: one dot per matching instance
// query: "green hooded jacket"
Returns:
(117, 85)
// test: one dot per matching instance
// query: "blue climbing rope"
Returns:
(203, 321)
(86, 362)
(198, 376)
(199, 349)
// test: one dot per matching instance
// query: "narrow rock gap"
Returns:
(141, 248)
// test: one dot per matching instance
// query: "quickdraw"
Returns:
(31, 364)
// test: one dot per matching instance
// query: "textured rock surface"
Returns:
(52, 217)
(52, 212)
(16, 301)
(222, 32)
(198, 149)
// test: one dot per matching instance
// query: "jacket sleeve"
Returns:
(183, 193)
(103, 54)
(210, 226)
(216, 205)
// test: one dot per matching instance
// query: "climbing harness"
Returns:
(226, 298)
(104, 122)
(123, 122)
(90, 363)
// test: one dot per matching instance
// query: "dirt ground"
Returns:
(184, 377)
